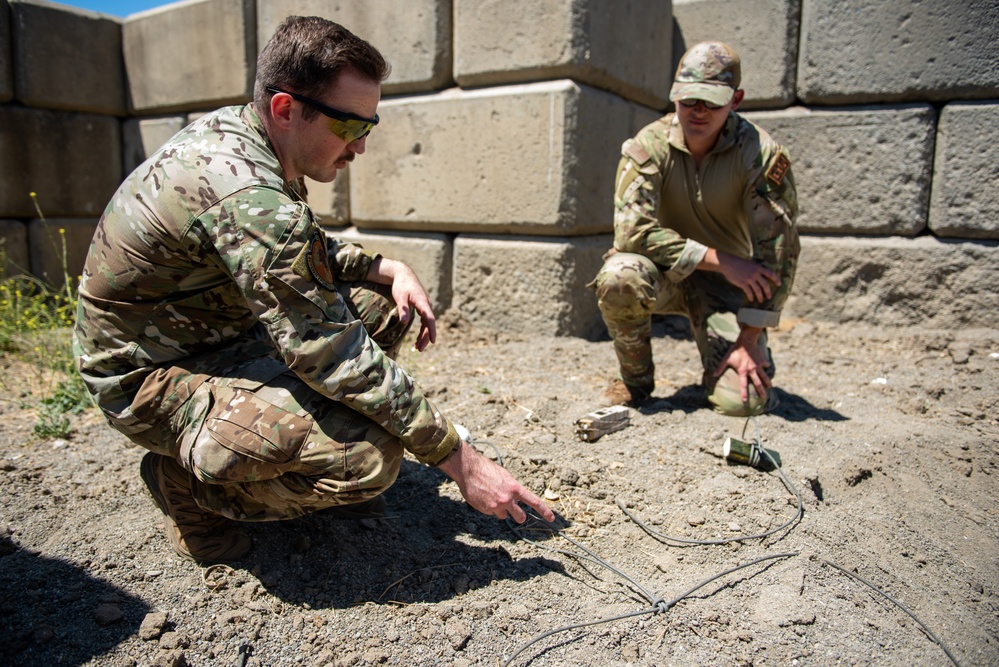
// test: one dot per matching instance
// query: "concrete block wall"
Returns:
(492, 170)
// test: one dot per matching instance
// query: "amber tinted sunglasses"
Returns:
(349, 127)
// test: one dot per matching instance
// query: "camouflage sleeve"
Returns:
(279, 259)
(636, 197)
(772, 206)
(350, 261)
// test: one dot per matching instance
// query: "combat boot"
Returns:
(193, 532)
(620, 393)
(374, 508)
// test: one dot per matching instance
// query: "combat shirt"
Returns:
(741, 201)
(205, 252)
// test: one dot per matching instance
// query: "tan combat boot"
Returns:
(621, 394)
(193, 532)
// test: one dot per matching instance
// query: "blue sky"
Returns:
(119, 8)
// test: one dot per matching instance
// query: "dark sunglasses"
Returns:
(690, 104)
(349, 127)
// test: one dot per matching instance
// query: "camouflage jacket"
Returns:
(205, 254)
(741, 201)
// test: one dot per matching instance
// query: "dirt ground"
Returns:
(890, 436)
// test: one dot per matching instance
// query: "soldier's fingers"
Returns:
(538, 505)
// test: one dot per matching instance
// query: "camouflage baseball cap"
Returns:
(708, 71)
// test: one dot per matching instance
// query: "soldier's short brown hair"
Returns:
(306, 54)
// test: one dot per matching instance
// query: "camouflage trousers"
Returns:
(631, 288)
(262, 445)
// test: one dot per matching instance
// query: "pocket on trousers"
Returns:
(255, 429)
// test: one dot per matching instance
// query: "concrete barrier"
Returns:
(65, 58)
(331, 201)
(191, 55)
(429, 255)
(863, 170)
(530, 159)
(141, 137)
(6, 54)
(13, 248)
(45, 239)
(965, 198)
(414, 36)
(624, 46)
(763, 32)
(897, 282)
(529, 285)
(872, 51)
(73, 162)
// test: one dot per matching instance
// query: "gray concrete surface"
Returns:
(529, 285)
(872, 51)
(414, 36)
(45, 239)
(142, 136)
(858, 170)
(6, 54)
(429, 255)
(190, 55)
(73, 162)
(67, 58)
(13, 248)
(624, 46)
(897, 282)
(965, 198)
(330, 201)
(763, 32)
(526, 159)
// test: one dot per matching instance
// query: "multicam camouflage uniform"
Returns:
(219, 326)
(667, 214)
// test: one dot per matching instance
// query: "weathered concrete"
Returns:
(624, 46)
(896, 281)
(863, 170)
(45, 239)
(73, 162)
(143, 136)
(6, 54)
(965, 198)
(190, 55)
(414, 36)
(529, 285)
(66, 58)
(429, 255)
(531, 159)
(13, 248)
(331, 201)
(763, 32)
(872, 51)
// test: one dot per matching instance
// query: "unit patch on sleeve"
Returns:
(314, 256)
(778, 170)
(636, 152)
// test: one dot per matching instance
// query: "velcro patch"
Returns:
(778, 170)
(635, 151)
(314, 256)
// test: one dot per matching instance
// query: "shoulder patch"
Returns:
(778, 170)
(635, 151)
(314, 262)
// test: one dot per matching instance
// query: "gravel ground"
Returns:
(889, 436)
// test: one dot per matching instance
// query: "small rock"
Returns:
(458, 632)
(734, 527)
(107, 613)
(153, 625)
(696, 519)
(173, 640)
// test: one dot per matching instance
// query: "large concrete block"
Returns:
(529, 285)
(14, 257)
(65, 58)
(414, 36)
(530, 159)
(897, 282)
(863, 51)
(143, 136)
(191, 55)
(862, 170)
(330, 201)
(58, 248)
(965, 200)
(6, 54)
(624, 46)
(429, 255)
(763, 32)
(73, 162)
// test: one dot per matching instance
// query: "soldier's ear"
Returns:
(737, 98)
(281, 107)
